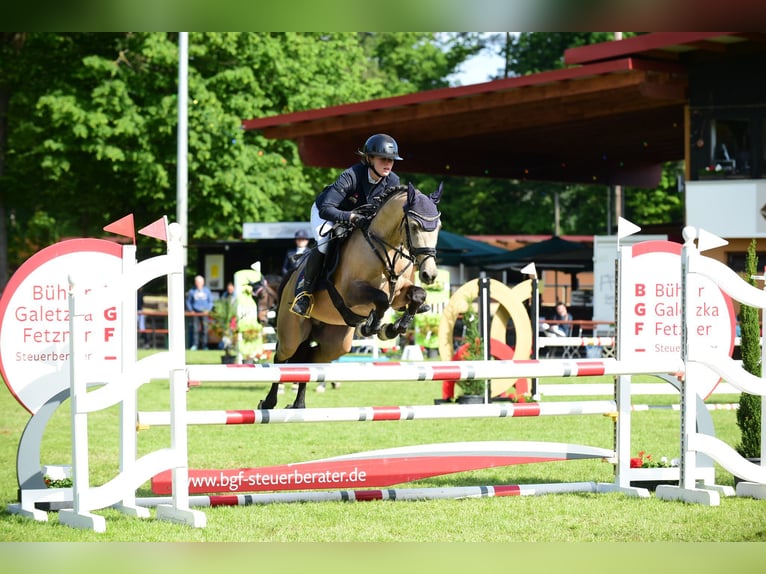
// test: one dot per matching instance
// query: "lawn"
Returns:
(550, 518)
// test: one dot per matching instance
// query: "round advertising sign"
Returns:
(652, 311)
(34, 319)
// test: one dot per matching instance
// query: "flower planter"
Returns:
(228, 359)
(470, 400)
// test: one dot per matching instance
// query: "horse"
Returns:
(369, 271)
(267, 299)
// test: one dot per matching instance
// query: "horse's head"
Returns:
(410, 219)
(422, 220)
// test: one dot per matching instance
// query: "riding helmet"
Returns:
(301, 234)
(381, 145)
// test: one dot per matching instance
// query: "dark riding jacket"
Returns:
(351, 190)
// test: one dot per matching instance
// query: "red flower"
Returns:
(636, 462)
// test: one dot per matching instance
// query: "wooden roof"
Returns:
(613, 116)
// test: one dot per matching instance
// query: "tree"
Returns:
(92, 122)
(749, 412)
(91, 131)
(534, 52)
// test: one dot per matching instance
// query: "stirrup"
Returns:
(303, 310)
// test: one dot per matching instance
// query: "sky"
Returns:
(479, 68)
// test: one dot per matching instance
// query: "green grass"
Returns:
(552, 518)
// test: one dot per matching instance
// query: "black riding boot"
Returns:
(305, 298)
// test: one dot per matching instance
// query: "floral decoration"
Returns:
(471, 350)
(715, 170)
(57, 482)
(646, 460)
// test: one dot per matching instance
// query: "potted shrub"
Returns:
(749, 412)
(471, 350)
(223, 319)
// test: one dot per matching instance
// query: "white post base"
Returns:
(627, 490)
(696, 495)
(721, 489)
(132, 510)
(752, 489)
(84, 520)
(412, 353)
(33, 513)
(193, 518)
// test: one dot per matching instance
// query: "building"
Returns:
(614, 115)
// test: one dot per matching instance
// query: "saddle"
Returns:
(324, 281)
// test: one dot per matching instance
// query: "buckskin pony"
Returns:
(370, 270)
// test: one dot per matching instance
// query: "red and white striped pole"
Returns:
(431, 371)
(392, 494)
(147, 419)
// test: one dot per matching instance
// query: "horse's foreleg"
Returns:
(364, 292)
(415, 298)
(371, 324)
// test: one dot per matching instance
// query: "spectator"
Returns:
(141, 319)
(199, 299)
(563, 328)
(229, 293)
(293, 255)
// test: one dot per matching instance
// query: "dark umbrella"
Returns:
(553, 253)
(454, 249)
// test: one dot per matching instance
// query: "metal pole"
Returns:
(182, 168)
(484, 321)
(535, 316)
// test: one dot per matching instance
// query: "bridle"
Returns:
(389, 255)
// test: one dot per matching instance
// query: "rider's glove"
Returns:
(359, 220)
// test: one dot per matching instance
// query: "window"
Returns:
(730, 146)
(728, 143)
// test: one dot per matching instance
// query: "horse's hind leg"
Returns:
(302, 355)
(271, 398)
(299, 357)
(300, 398)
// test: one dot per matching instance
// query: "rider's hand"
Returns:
(358, 220)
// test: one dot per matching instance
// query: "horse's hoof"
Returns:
(424, 308)
(321, 387)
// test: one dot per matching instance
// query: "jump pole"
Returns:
(430, 371)
(149, 419)
(390, 494)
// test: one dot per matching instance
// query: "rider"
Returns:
(355, 187)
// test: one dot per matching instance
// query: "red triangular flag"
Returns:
(158, 229)
(124, 227)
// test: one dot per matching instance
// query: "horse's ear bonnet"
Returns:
(423, 208)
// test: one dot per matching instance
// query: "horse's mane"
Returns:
(387, 194)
